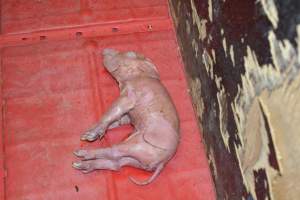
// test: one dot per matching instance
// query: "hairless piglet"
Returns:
(145, 103)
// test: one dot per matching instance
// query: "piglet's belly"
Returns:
(159, 132)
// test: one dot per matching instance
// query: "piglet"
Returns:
(143, 102)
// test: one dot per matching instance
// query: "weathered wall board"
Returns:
(242, 62)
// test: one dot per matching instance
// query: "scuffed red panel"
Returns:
(44, 74)
(27, 16)
(23, 9)
(55, 87)
(54, 91)
(40, 135)
(117, 4)
(2, 172)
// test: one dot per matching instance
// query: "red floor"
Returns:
(54, 87)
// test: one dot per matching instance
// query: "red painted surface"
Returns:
(54, 88)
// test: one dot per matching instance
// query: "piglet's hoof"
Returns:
(84, 167)
(81, 153)
(84, 154)
(91, 136)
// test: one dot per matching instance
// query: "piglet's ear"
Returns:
(109, 52)
(149, 69)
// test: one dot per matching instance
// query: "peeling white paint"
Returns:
(224, 45)
(256, 80)
(201, 23)
(281, 106)
(179, 6)
(208, 63)
(188, 27)
(195, 46)
(212, 162)
(271, 11)
(210, 10)
(209, 39)
(231, 52)
(221, 97)
(255, 153)
(213, 53)
(218, 82)
(195, 86)
(240, 165)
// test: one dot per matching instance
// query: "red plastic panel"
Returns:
(2, 172)
(19, 16)
(54, 87)
(54, 91)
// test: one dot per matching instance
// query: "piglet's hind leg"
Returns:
(107, 153)
(91, 165)
(106, 164)
(115, 152)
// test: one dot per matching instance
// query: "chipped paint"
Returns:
(262, 100)
(231, 52)
(213, 53)
(201, 23)
(208, 63)
(221, 97)
(210, 10)
(264, 94)
(271, 11)
(255, 82)
(188, 27)
(212, 163)
(195, 92)
(178, 6)
(195, 47)
(240, 165)
(209, 38)
(281, 106)
(252, 138)
(224, 45)
(218, 81)
(254, 154)
(172, 12)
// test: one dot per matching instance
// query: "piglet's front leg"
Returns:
(125, 119)
(118, 109)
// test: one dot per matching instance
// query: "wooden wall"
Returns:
(242, 63)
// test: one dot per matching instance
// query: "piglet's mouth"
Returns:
(112, 69)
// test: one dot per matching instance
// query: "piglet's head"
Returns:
(128, 65)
